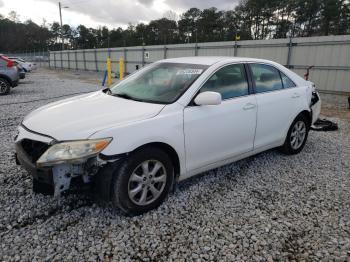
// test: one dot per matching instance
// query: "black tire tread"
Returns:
(121, 200)
(287, 148)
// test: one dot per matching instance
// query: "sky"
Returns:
(110, 13)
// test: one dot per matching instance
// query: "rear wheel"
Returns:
(4, 86)
(142, 181)
(297, 136)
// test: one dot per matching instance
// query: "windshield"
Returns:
(159, 83)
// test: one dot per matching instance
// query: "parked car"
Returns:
(27, 66)
(9, 75)
(21, 71)
(167, 122)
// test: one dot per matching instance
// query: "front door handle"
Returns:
(249, 106)
(295, 95)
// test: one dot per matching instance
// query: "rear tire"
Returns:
(4, 86)
(296, 136)
(142, 181)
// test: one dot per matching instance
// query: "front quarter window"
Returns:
(159, 83)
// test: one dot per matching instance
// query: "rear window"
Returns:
(287, 82)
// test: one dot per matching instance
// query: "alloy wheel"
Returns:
(147, 182)
(298, 135)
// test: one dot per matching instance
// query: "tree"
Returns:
(251, 19)
(331, 16)
(188, 25)
(13, 16)
(170, 15)
(209, 25)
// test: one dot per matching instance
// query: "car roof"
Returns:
(210, 60)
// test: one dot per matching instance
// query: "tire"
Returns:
(42, 188)
(142, 181)
(4, 86)
(296, 136)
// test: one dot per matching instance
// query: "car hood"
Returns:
(81, 116)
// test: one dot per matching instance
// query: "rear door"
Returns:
(218, 132)
(277, 99)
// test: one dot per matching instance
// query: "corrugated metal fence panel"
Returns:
(116, 54)
(326, 51)
(275, 50)
(64, 57)
(155, 54)
(331, 57)
(80, 59)
(329, 54)
(216, 49)
(102, 56)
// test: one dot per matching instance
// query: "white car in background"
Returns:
(28, 66)
(169, 121)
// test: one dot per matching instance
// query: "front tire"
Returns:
(296, 136)
(142, 181)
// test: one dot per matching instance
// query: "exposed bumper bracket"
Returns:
(61, 178)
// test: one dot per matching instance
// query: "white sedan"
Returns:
(169, 121)
(28, 66)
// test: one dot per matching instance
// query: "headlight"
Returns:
(72, 152)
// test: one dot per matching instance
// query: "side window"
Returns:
(267, 78)
(229, 81)
(287, 83)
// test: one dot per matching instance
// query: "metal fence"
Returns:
(330, 56)
(41, 57)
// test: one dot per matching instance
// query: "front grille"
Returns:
(34, 149)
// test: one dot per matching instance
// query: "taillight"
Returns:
(9, 61)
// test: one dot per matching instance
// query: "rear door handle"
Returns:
(295, 95)
(249, 106)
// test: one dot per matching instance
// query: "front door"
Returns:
(218, 132)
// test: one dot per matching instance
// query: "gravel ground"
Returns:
(269, 207)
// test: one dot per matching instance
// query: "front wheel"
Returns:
(296, 136)
(142, 181)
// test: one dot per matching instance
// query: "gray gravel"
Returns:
(266, 208)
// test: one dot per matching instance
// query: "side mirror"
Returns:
(208, 98)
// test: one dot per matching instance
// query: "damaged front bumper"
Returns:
(315, 106)
(29, 148)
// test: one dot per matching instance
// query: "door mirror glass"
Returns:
(208, 98)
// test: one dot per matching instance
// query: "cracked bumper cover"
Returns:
(43, 175)
(59, 176)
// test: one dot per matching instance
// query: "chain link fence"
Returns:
(40, 57)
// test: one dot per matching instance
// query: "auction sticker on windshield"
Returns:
(190, 72)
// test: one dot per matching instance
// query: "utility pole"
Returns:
(60, 7)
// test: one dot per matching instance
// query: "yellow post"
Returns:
(121, 68)
(109, 72)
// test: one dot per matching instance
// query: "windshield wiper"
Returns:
(126, 96)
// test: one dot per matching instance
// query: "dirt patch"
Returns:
(335, 106)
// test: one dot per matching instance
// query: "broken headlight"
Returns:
(72, 151)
